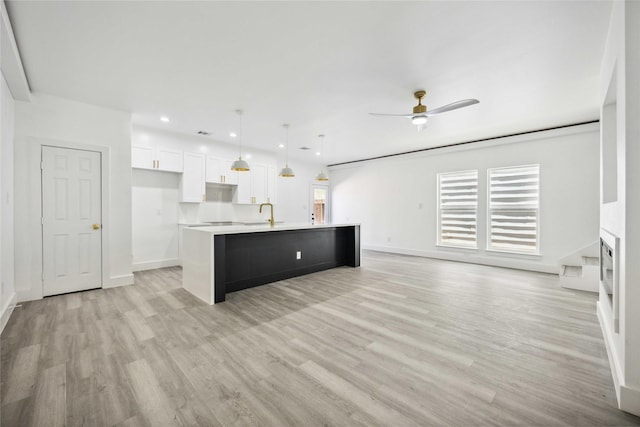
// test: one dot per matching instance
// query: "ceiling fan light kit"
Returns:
(420, 113)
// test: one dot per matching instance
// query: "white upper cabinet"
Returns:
(219, 171)
(243, 192)
(142, 157)
(213, 173)
(169, 160)
(230, 176)
(161, 159)
(192, 184)
(258, 185)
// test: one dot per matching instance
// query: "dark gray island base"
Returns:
(220, 260)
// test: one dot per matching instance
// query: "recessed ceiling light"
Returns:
(232, 134)
(247, 156)
(280, 145)
(164, 119)
(317, 153)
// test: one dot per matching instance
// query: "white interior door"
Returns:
(71, 220)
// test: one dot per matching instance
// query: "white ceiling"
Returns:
(322, 66)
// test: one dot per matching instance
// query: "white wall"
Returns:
(395, 199)
(7, 289)
(55, 121)
(620, 217)
(156, 211)
(154, 207)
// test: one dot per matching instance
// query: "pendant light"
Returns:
(322, 176)
(286, 171)
(240, 165)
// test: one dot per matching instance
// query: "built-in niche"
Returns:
(609, 273)
(219, 193)
(609, 125)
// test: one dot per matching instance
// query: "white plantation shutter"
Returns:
(513, 208)
(458, 208)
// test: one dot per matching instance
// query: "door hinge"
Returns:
(42, 221)
(42, 166)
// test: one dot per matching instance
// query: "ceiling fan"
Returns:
(420, 113)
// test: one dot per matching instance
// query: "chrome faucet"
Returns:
(271, 221)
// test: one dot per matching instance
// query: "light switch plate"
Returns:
(299, 255)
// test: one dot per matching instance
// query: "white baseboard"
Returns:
(609, 344)
(29, 295)
(7, 310)
(629, 400)
(116, 281)
(464, 256)
(151, 265)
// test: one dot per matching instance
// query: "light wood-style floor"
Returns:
(400, 341)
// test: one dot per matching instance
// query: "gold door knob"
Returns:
(96, 226)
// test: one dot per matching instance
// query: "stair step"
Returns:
(590, 260)
(572, 271)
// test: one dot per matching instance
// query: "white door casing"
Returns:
(71, 220)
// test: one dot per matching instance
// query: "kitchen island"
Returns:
(222, 259)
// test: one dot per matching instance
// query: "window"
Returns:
(458, 208)
(513, 208)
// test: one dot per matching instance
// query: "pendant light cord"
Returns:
(321, 152)
(286, 141)
(240, 130)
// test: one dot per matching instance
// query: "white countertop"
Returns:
(239, 229)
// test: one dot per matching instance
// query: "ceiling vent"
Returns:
(305, 148)
(203, 133)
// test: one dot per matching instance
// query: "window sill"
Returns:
(514, 253)
(457, 248)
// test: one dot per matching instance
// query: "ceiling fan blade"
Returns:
(392, 115)
(452, 106)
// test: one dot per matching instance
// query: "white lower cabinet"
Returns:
(192, 184)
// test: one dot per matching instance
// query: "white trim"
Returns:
(151, 265)
(7, 310)
(492, 142)
(470, 258)
(12, 68)
(628, 397)
(116, 281)
(514, 253)
(459, 248)
(35, 158)
(629, 400)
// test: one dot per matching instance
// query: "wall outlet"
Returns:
(298, 254)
